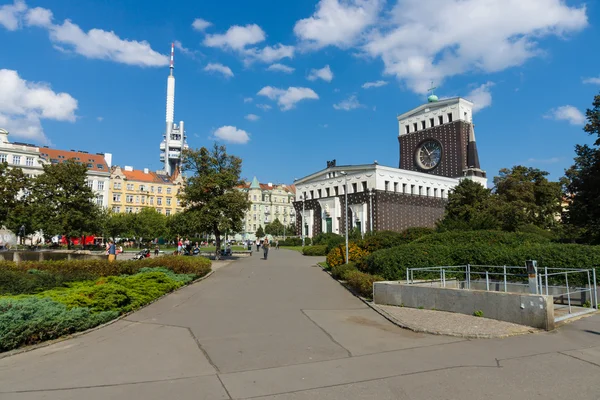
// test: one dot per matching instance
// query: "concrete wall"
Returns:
(18, 256)
(525, 309)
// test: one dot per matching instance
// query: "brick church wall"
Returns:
(397, 211)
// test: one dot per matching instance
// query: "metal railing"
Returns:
(548, 281)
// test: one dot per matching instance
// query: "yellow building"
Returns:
(131, 190)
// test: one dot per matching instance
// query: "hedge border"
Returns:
(36, 346)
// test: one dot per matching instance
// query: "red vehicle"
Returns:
(76, 241)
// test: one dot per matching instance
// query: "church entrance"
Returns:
(329, 225)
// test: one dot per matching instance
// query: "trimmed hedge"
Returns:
(490, 238)
(392, 263)
(320, 250)
(295, 241)
(34, 277)
(340, 271)
(362, 283)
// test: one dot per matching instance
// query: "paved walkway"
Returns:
(281, 329)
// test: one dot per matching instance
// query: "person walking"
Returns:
(277, 244)
(257, 244)
(265, 246)
(112, 252)
(156, 250)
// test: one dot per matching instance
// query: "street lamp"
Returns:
(371, 194)
(346, 209)
(303, 221)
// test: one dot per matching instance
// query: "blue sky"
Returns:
(92, 76)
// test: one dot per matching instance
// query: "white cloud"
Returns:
(287, 99)
(252, 117)
(237, 37)
(323, 73)
(368, 85)
(351, 103)
(39, 17)
(100, 119)
(200, 24)
(552, 160)
(184, 50)
(432, 40)
(24, 104)
(11, 14)
(231, 134)
(337, 23)
(248, 100)
(268, 54)
(281, 68)
(481, 97)
(264, 107)
(593, 81)
(566, 113)
(223, 69)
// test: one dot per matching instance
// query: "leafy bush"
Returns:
(30, 320)
(330, 240)
(315, 250)
(382, 240)
(295, 241)
(362, 283)
(340, 271)
(490, 238)
(337, 255)
(34, 277)
(412, 234)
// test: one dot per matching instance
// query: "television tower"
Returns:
(174, 139)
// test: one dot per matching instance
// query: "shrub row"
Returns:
(295, 241)
(362, 282)
(33, 277)
(490, 238)
(340, 271)
(27, 319)
(315, 250)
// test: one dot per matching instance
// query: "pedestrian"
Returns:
(156, 251)
(265, 246)
(257, 245)
(179, 246)
(277, 244)
(112, 251)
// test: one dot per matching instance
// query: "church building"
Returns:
(437, 150)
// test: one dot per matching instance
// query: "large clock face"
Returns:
(429, 154)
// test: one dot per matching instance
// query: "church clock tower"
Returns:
(439, 138)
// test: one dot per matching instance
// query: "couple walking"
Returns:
(265, 246)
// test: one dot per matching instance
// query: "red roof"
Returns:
(94, 162)
(264, 186)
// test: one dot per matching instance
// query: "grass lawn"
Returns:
(296, 248)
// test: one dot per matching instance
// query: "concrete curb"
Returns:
(27, 349)
(418, 329)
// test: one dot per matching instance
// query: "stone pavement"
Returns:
(282, 329)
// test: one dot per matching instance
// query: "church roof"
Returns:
(434, 105)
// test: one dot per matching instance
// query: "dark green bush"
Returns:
(340, 271)
(490, 238)
(30, 320)
(315, 250)
(295, 241)
(383, 240)
(34, 277)
(362, 283)
(330, 240)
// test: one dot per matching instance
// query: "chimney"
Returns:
(270, 184)
(128, 168)
(146, 170)
(108, 159)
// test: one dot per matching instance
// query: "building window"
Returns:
(116, 185)
(428, 191)
(159, 210)
(254, 197)
(404, 188)
(151, 189)
(116, 209)
(168, 201)
(90, 184)
(128, 210)
(415, 127)
(116, 198)
(17, 160)
(407, 128)
(168, 190)
(431, 122)
(29, 161)
(151, 201)
(100, 185)
(336, 190)
(420, 190)
(423, 125)
(442, 193)
(412, 189)
(99, 200)
(434, 192)
(387, 185)
(354, 188)
(143, 199)
(254, 226)
(129, 198)
(327, 191)
(3, 157)
(130, 186)
(255, 207)
(364, 186)
(441, 119)
(159, 189)
(449, 117)
(137, 199)
(99, 166)
(395, 186)
(168, 212)
(159, 201)
(312, 195)
(142, 188)
(255, 217)
(319, 193)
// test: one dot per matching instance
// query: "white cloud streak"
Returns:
(252, 117)
(231, 134)
(11, 14)
(376, 84)
(566, 113)
(323, 73)
(287, 99)
(200, 24)
(481, 97)
(237, 37)
(24, 104)
(220, 68)
(280, 68)
(351, 103)
(592, 81)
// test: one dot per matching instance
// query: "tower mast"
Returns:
(170, 109)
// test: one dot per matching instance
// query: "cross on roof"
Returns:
(432, 88)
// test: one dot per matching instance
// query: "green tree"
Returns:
(274, 228)
(147, 224)
(13, 193)
(211, 192)
(583, 182)
(526, 197)
(113, 224)
(260, 232)
(469, 208)
(62, 202)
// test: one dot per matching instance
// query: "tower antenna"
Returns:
(172, 66)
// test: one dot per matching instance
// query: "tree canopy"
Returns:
(274, 228)
(211, 192)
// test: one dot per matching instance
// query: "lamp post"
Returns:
(302, 224)
(371, 193)
(346, 209)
